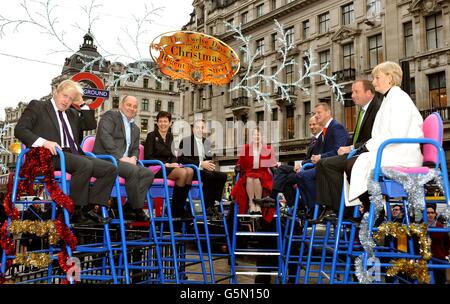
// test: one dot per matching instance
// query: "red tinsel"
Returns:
(38, 161)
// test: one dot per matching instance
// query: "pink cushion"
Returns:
(154, 169)
(141, 152)
(88, 144)
(432, 129)
(194, 182)
(159, 181)
(417, 170)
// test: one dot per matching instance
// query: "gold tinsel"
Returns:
(38, 228)
(413, 269)
(416, 270)
(39, 260)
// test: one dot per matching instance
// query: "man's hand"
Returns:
(344, 150)
(51, 145)
(208, 165)
(315, 159)
(130, 160)
(297, 167)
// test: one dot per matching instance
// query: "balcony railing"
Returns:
(345, 75)
(444, 112)
(239, 102)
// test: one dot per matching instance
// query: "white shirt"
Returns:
(40, 141)
(199, 143)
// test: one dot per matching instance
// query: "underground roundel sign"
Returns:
(95, 89)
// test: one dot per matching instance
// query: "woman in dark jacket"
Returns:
(159, 145)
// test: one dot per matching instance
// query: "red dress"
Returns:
(245, 163)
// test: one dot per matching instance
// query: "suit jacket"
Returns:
(365, 130)
(314, 148)
(111, 139)
(189, 152)
(39, 120)
(156, 148)
(336, 137)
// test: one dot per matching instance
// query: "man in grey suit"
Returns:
(118, 135)
(54, 124)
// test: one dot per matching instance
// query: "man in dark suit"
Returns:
(118, 135)
(330, 170)
(334, 136)
(53, 124)
(196, 150)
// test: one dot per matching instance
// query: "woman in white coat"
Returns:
(398, 117)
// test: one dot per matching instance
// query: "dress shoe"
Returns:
(320, 218)
(265, 201)
(97, 218)
(255, 213)
(141, 216)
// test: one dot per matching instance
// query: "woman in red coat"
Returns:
(255, 179)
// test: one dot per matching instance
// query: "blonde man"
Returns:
(53, 124)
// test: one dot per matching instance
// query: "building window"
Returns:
(115, 102)
(290, 35)
(192, 101)
(275, 114)
(144, 125)
(289, 73)
(273, 71)
(324, 59)
(376, 55)
(307, 80)
(171, 86)
(435, 37)
(373, 8)
(348, 14)
(305, 28)
(290, 123)
(201, 99)
(158, 84)
(413, 89)
(170, 107)
(324, 23)
(144, 105)
(244, 17)
(260, 46)
(307, 115)
(350, 112)
(259, 117)
(273, 4)
(438, 90)
(408, 37)
(273, 41)
(348, 56)
(157, 105)
(230, 24)
(145, 83)
(260, 10)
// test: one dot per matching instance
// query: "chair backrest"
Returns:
(88, 143)
(141, 152)
(432, 129)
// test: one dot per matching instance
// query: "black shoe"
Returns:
(80, 218)
(320, 218)
(97, 218)
(265, 201)
(255, 213)
(141, 216)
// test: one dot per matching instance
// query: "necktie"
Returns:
(358, 125)
(324, 132)
(67, 136)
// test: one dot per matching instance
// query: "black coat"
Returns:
(189, 152)
(156, 148)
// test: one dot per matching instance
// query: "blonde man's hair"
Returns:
(391, 69)
(70, 86)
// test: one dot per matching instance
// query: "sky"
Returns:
(31, 58)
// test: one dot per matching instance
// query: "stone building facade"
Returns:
(352, 36)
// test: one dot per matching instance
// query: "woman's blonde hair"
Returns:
(391, 69)
(70, 86)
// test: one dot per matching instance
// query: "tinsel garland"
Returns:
(413, 185)
(38, 162)
(39, 260)
(414, 269)
(38, 228)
